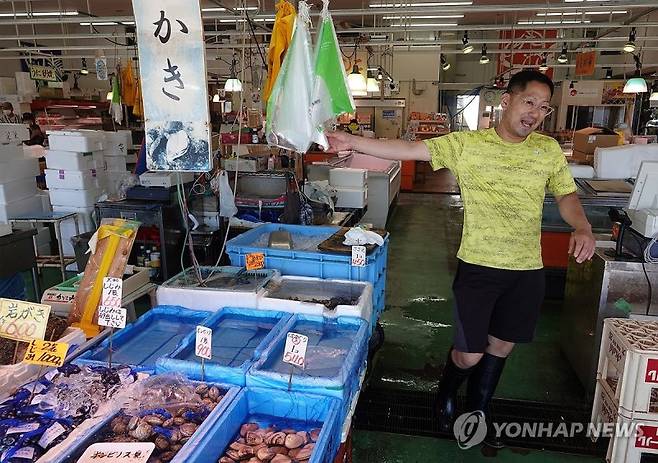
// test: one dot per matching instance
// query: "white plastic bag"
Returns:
(226, 199)
(289, 123)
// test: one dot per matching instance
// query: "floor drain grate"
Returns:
(413, 413)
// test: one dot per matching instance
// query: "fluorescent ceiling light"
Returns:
(578, 13)
(248, 8)
(109, 23)
(566, 21)
(444, 16)
(23, 14)
(128, 23)
(425, 25)
(606, 12)
(259, 20)
(397, 5)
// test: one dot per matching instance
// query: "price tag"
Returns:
(24, 452)
(47, 353)
(112, 292)
(203, 346)
(358, 256)
(106, 452)
(23, 321)
(22, 428)
(114, 317)
(50, 434)
(255, 261)
(647, 437)
(295, 350)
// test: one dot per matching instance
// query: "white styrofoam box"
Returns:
(85, 216)
(310, 288)
(12, 169)
(8, 86)
(578, 171)
(30, 205)
(11, 151)
(14, 133)
(72, 179)
(71, 160)
(164, 179)
(628, 364)
(623, 161)
(67, 229)
(45, 200)
(24, 84)
(352, 197)
(18, 189)
(115, 163)
(347, 177)
(633, 439)
(80, 141)
(78, 198)
(13, 376)
(118, 143)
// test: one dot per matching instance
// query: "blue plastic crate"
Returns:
(153, 335)
(268, 407)
(335, 356)
(201, 438)
(238, 339)
(306, 260)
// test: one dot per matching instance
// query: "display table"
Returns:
(18, 254)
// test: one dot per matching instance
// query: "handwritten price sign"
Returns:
(112, 292)
(110, 452)
(358, 256)
(255, 261)
(23, 321)
(203, 344)
(113, 317)
(294, 352)
(47, 353)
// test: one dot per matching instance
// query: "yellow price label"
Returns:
(255, 261)
(23, 321)
(47, 353)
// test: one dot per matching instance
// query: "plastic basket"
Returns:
(239, 338)
(153, 335)
(271, 407)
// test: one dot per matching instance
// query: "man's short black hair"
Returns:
(521, 79)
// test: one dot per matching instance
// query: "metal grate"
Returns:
(414, 413)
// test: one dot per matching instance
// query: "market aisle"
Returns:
(425, 231)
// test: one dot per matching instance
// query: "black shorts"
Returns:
(491, 301)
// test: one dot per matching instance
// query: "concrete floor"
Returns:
(425, 232)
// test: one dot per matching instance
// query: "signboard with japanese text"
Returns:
(43, 73)
(174, 85)
(203, 342)
(112, 317)
(585, 63)
(526, 48)
(46, 353)
(114, 452)
(23, 321)
(294, 351)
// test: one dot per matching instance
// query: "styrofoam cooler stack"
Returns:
(18, 188)
(60, 179)
(117, 143)
(115, 163)
(80, 141)
(353, 198)
(74, 160)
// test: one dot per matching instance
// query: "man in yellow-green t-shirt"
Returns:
(503, 174)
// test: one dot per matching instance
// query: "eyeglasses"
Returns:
(531, 104)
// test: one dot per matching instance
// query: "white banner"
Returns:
(172, 65)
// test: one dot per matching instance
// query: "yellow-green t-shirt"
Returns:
(502, 187)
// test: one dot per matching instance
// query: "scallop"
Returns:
(294, 441)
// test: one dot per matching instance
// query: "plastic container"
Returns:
(227, 288)
(77, 198)
(153, 335)
(335, 356)
(239, 338)
(72, 179)
(313, 296)
(11, 169)
(641, 439)
(17, 189)
(70, 160)
(306, 260)
(82, 141)
(271, 407)
(30, 205)
(12, 376)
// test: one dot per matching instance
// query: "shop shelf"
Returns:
(238, 339)
(305, 260)
(268, 407)
(153, 335)
(228, 287)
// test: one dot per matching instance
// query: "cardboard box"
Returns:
(580, 157)
(588, 139)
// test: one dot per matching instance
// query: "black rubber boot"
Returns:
(480, 389)
(451, 378)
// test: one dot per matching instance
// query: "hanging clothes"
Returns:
(128, 85)
(138, 109)
(116, 111)
(279, 43)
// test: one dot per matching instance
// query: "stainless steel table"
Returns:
(55, 218)
(596, 290)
